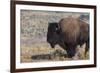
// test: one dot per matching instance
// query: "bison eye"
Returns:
(57, 30)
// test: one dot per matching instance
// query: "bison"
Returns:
(68, 33)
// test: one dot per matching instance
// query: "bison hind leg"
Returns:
(87, 48)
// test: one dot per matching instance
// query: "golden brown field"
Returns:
(43, 52)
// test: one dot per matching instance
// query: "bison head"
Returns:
(53, 34)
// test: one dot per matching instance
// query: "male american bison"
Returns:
(68, 33)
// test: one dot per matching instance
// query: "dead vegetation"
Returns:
(44, 52)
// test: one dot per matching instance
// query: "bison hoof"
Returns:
(70, 55)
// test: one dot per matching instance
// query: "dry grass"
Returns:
(43, 52)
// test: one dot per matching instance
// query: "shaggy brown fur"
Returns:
(70, 29)
(68, 33)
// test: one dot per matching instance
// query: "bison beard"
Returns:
(68, 33)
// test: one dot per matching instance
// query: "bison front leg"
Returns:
(71, 51)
